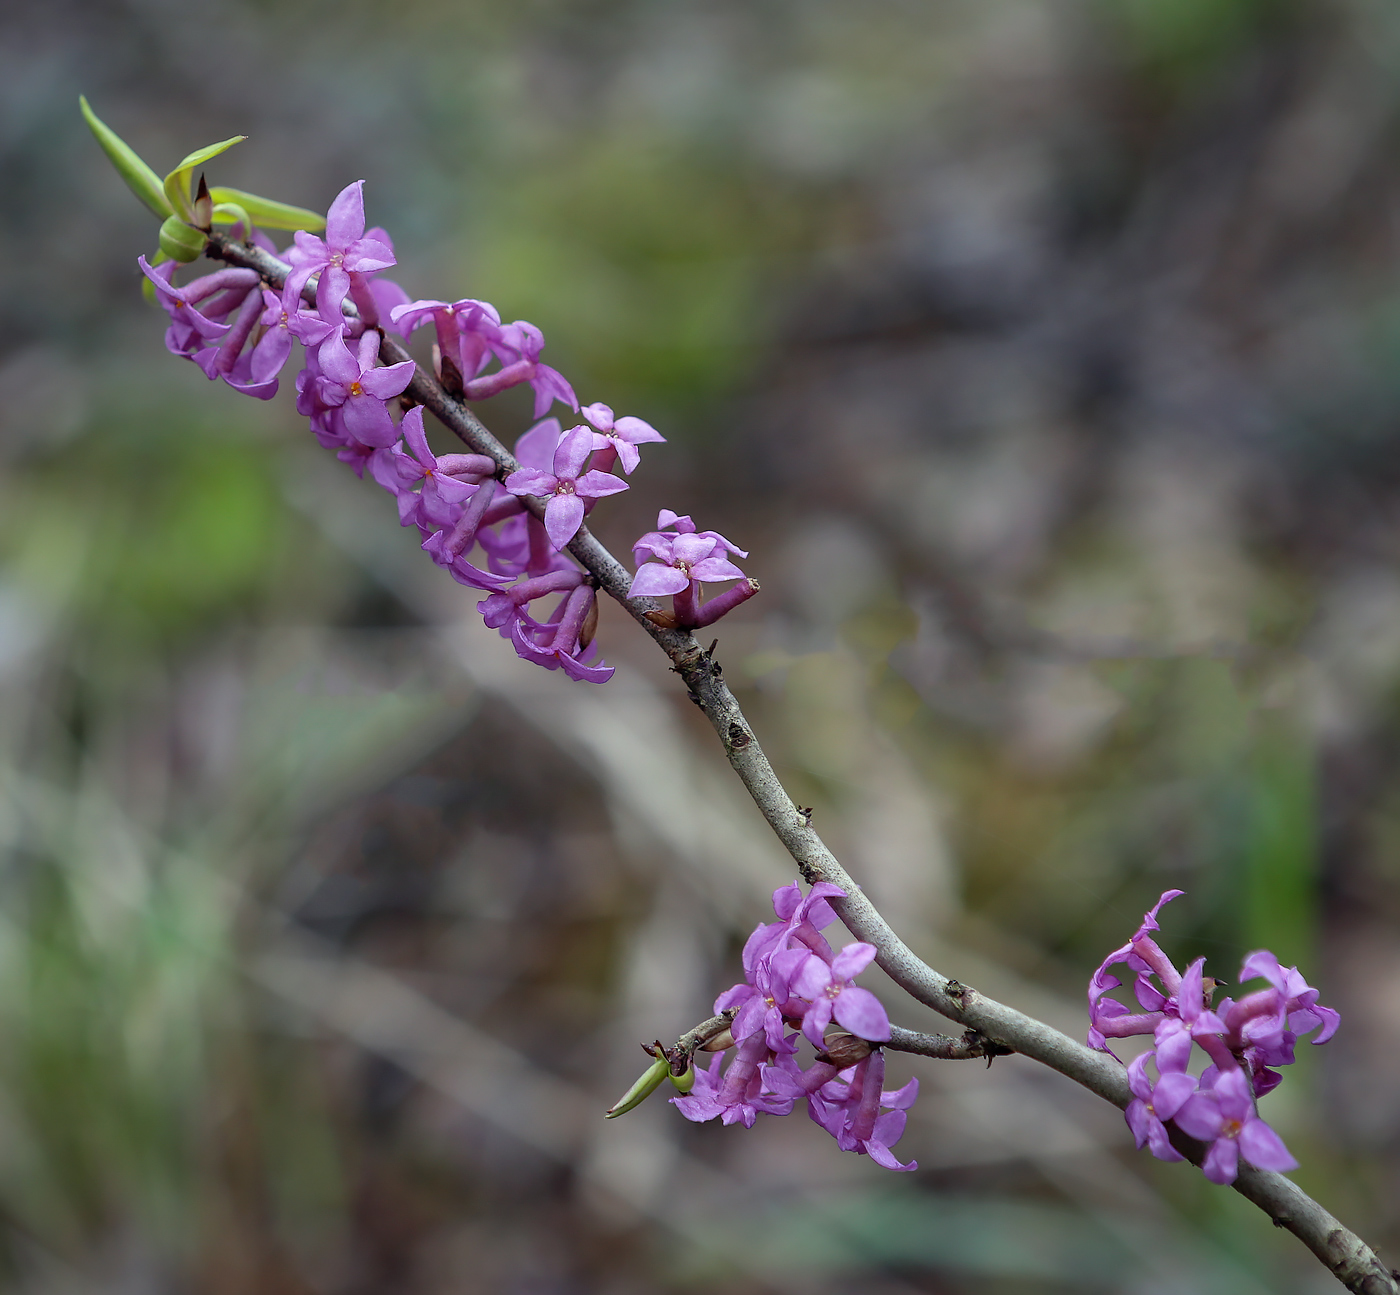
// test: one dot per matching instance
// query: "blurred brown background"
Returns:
(1045, 355)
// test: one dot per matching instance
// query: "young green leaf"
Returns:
(139, 177)
(267, 213)
(644, 1087)
(177, 183)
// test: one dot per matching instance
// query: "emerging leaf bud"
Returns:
(684, 1083)
(181, 242)
(649, 1082)
(203, 207)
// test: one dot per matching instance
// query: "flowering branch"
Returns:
(992, 1028)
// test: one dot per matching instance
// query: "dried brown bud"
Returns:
(844, 1049)
(664, 619)
(590, 625)
(724, 1039)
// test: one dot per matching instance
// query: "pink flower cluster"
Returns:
(795, 982)
(239, 330)
(1243, 1040)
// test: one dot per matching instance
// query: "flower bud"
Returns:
(181, 242)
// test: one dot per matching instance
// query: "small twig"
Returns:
(942, 1047)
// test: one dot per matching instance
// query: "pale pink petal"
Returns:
(563, 515)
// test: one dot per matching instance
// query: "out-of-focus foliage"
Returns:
(1044, 355)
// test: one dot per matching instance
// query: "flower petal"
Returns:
(563, 515)
(863, 1014)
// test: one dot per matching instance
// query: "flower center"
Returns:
(564, 488)
(356, 389)
(1232, 1129)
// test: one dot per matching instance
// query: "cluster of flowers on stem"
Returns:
(797, 987)
(1244, 1040)
(239, 329)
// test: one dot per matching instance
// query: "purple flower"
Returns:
(851, 1111)
(564, 644)
(466, 332)
(621, 435)
(681, 559)
(447, 482)
(519, 345)
(833, 996)
(283, 323)
(344, 251)
(1108, 1018)
(742, 1092)
(567, 486)
(1143, 1117)
(1223, 1114)
(191, 328)
(351, 382)
(764, 1005)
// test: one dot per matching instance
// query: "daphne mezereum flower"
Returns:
(190, 328)
(344, 251)
(832, 996)
(446, 482)
(567, 487)
(1222, 1113)
(620, 435)
(351, 382)
(518, 346)
(1242, 1040)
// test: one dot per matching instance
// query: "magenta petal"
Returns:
(852, 960)
(389, 381)
(345, 221)
(693, 549)
(816, 1019)
(597, 485)
(572, 452)
(1200, 1117)
(883, 1157)
(530, 481)
(1172, 1092)
(581, 673)
(535, 449)
(712, 570)
(337, 363)
(899, 1100)
(863, 1014)
(1261, 1146)
(563, 515)
(413, 433)
(599, 415)
(368, 421)
(637, 432)
(734, 996)
(1222, 1162)
(654, 580)
(750, 1019)
(811, 979)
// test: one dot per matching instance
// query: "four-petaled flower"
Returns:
(621, 435)
(344, 251)
(1222, 1113)
(567, 487)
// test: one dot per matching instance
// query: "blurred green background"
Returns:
(1043, 353)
